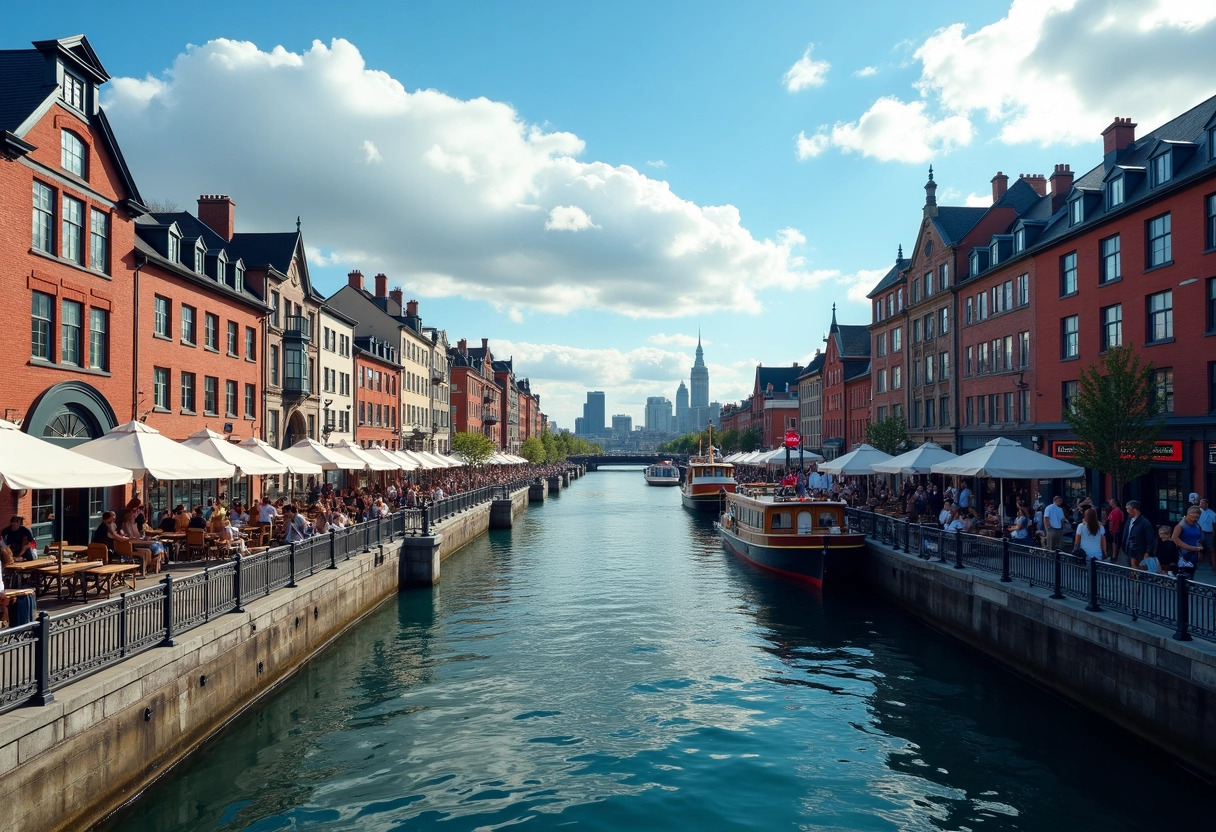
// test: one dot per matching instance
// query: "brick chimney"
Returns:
(355, 279)
(381, 285)
(1061, 184)
(218, 212)
(396, 295)
(1118, 136)
(462, 346)
(1037, 181)
(1000, 184)
(411, 309)
(485, 343)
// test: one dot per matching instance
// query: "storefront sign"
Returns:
(1165, 450)
(1212, 454)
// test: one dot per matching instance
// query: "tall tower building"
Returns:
(681, 424)
(593, 413)
(698, 405)
(658, 414)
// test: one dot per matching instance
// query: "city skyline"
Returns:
(563, 208)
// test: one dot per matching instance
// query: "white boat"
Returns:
(662, 473)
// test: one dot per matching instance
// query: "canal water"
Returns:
(605, 666)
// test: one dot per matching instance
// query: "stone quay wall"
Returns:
(1131, 672)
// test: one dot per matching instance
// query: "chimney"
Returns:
(1000, 183)
(485, 343)
(218, 212)
(396, 295)
(381, 285)
(355, 279)
(1118, 136)
(1037, 181)
(411, 309)
(1061, 184)
(462, 346)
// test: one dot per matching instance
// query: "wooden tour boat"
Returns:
(662, 474)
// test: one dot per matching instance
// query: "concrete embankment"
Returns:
(66, 764)
(1131, 672)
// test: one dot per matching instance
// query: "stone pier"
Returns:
(536, 491)
(501, 513)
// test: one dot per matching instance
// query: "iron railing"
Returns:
(52, 651)
(1186, 606)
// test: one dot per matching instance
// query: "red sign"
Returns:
(1164, 450)
(792, 439)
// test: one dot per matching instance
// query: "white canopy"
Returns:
(214, 445)
(29, 462)
(328, 458)
(440, 460)
(856, 462)
(777, 457)
(916, 461)
(144, 450)
(408, 463)
(375, 463)
(293, 464)
(399, 463)
(1005, 459)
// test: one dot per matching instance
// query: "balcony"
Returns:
(438, 376)
(489, 416)
(297, 329)
(488, 398)
(296, 387)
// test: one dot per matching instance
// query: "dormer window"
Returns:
(1019, 240)
(1114, 192)
(72, 153)
(175, 246)
(995, 253)
(72, 91)
(1076, 211)
(200, 257)
(221, 268)
(238, 281)
(1161, 169)
(979, 260)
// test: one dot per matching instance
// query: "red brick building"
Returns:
(887, 330)
(474, 394)
(846, 370)
(377, 374)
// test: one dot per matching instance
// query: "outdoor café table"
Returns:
(63, 571)
(53, 549)
(101, 578)
(173, 540)
(22, 568)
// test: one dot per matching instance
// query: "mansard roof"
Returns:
(783, 379)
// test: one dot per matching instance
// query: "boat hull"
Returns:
(662, 482)
(801, 559)
(709, 503)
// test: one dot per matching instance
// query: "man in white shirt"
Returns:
(947, 513)
(1053, 519)
(266, 511)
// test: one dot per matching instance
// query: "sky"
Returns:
(593, 185)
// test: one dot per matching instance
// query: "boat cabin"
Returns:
(788, 517)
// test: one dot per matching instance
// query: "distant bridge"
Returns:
(595, 461)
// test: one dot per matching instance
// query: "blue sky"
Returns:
(590, 184)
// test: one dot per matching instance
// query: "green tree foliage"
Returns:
(1115, 416)
(474, 447)
(726, 441)
(533, 450)
(561, 445)
(887, 434)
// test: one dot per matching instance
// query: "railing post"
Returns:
(1093, 586)
(236, 584)
(291, 564)
(873, 524)
(1005, 561)
(167, 583)
(379, 532)
(42, 661)
(1184, 610)
(894, 534)
(958, 549)
(1058, 579)
(367, 539)
(122, 624)
(333, 549)
(426, 520)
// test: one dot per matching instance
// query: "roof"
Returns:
(783, 379)
(855, 368)
(23, 87)
(815, 365)
(147, 224)
(897, 273)
(953, 222)
(852, 340)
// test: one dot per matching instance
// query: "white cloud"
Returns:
(808, 147)
(656, 163)
(866, 71)
(975, 200)
(461, 192)
(677, 340)
(806, 73)
(861, 283)
(1042, 74)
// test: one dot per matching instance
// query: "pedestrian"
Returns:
(1189, 537)
(1207, 523)
(1091, 537)
(1053, 521)
(1138, 535)
(1166, 552)
(1114, 530)
(964, 496)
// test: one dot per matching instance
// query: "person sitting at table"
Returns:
(168, 523)
(107, 531)
(135, 533)
(296, 527)
(320, 523)
(218, 521)
(133, 512)
(239, 518)
(197, 521)
(19, 539)
(231, 534)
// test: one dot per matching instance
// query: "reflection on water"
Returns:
(604, 665)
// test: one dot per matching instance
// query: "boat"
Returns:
(768, 526)
(706, 480)
(662, 474)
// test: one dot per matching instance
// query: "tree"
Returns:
(1115, 416)
(474, 447)
(533, 450)
(887, 434)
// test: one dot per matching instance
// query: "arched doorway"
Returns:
(68, 414)
(295, 430)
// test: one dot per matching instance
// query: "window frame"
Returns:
(1110, 327)
(161, 398)
(71, 236)
(99, 339)
(188, 390)
(73, 154)
(1068, 274)
(1161, 318)
(42, 326)
(162, 317)
(1158, 237)
(1070, 337)
(211, 331)
(1110, 258)
(99, 241)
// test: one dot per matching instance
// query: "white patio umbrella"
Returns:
(408, 463)
(1005, 459)
(373, 462)
(916, 461)
(214, 445)
(384, 454)
(293, 464)
(856, 462)
(29, 462)
(329, 459)
(440, 460)
(777, 457)
(419, 460)
(146, 451)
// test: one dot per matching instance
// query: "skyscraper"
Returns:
(658, 413)
(681, 424)
(593, 413)
(698, 406)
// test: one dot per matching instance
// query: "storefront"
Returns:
(1162, 492)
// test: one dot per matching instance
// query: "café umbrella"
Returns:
(329, 459)
(856, 462)
(293, 464)
(375, 463)
(1003, 459)
(145, 451)
(214, 445)
(916, 461)
(29, 462)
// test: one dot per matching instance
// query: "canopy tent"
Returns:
(214, 445)
(29, 462)
(440, 460)
(292, 464)
(777, 457)
(399, 463)
(916, 461)
(1005, 459)
(375, 463)
(145, 451)
(329, 459)
(408, 463)
(856, 462)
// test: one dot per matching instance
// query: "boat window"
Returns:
(804, 522)
(781, 520)
(827, 519)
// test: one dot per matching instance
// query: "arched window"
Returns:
(72, 153)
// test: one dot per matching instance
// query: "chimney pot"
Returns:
(1000, 183)
(1061, 184)
(218, 212)
(1037, 181)
(381, 285)
(355, 279)
(396, 295)
(1120, 134)
(411, 309)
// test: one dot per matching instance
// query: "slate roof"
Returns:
(23, 87)
(953, 222)
(815, 366)
(895, 275)
(852, 341)
(267, 249)
(146, 224)
(783, 379)
(855, 368)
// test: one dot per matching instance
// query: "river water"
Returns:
(606, 666)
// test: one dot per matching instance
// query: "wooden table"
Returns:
(67, 550)
(62, 571)
(173, 540)
(103, 577)
(22, 568)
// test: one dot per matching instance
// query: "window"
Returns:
(915, 414)
(930, 407)
(1210, 206)
(42, 314)
(897, 381)
(943, 320)
(99, 339)
(1070, 337)
(274, 364)
(915, 289)
(44, 218)
(969, 366)
(70, 327)
(1159, 242)
(251, 344)
(230, 397)
(1008, 408)
(211, 392)
(1069, 397)
(981, 306)
(943, 360)
(916, 331)
(1068, 274)
(160, 388)
(188, 392)
(1163, 389)
(928, 283)
(1212, 385)
(272, 427)
(72, 91)
(1114, 192)
(200, 257)
(880, 342)
(234, 339)
(211, 331)
(994, 415)
(1007, 352)
(983, 367)
(1023, 349)
(929, 326)
(981, 410)
(930, 361)
(897, 339)
(175, 246)
(251, 401)
(161, 319)
(99, 241)
(1211, 304)
(943, 275)
(1112, 327)
(1111, 266)
(943, 411)
(1161, 169)
(1022, 290)
(1160, 316)
(189, 332)
(73, 230)
(274, 309)
(1019, 240)
(1076, 211)
(880, 382)
(968, 310)
(71, 153)
(915, 373)
(1023, 406)
(970, 405)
